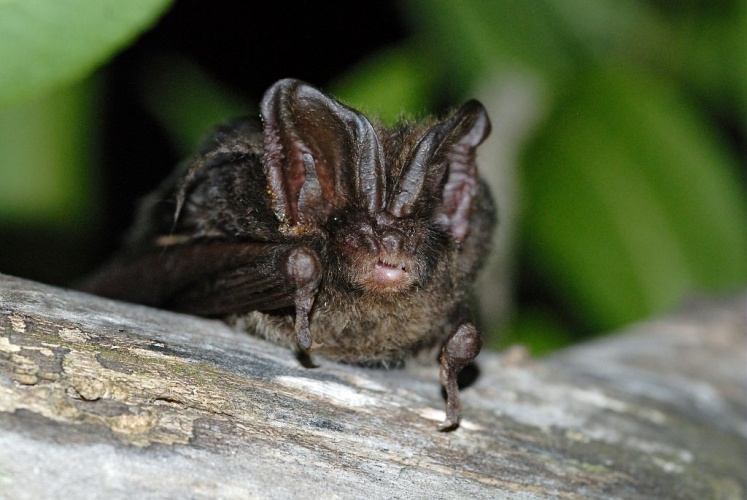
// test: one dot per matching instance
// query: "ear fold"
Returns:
(443, 167)
(319, 155)
(471, 128)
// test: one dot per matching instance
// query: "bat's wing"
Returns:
(211, 278)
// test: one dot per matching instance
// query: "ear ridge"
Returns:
(472, 127)
(411, 182)
(443, 166)
(370, 179)
(277, 155)
(319, 155)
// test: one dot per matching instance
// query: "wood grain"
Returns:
(101, 399)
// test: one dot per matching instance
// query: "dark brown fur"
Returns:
(373, 266)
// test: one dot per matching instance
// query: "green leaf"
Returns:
(632, 202)
(47, 43)
(711, 41)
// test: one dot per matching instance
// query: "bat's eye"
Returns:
(334, 222)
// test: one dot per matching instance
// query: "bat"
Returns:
(320, 230)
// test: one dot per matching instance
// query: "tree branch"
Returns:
(100, 398)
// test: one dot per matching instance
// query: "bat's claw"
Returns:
(449, 424)
(303, 335)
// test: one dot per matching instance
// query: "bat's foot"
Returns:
(460, 349)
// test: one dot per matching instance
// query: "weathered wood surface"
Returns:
(100, 399)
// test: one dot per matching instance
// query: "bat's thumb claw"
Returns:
(305, 342)
(448, 425)
(303, 339)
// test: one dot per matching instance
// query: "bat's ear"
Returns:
(443, 167)
(469, 127)
(319, 155)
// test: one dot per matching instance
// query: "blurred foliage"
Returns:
(389, 85)
(48, 43)
(637, 205)
(46, 116)
(46, 164)
(183, 98)
(633, 194)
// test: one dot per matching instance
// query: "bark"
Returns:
(100, 399)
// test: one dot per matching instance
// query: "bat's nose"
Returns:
(392, 240)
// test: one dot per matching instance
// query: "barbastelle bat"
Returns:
(324, 232)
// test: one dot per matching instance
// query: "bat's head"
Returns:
(379, 252)
(391, 203)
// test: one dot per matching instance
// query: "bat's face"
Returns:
(382, 253)
(393, 203)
